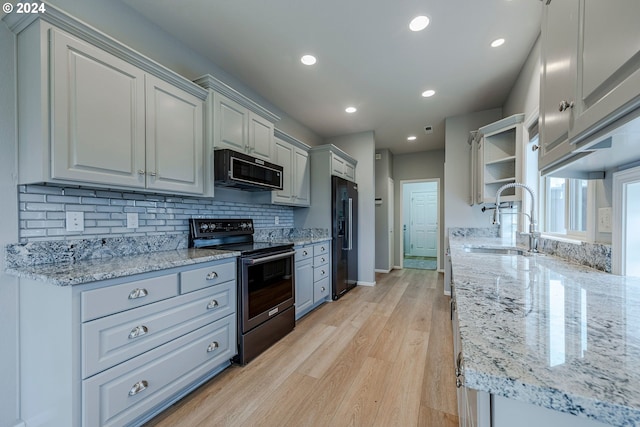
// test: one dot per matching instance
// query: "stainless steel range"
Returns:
(266, 286)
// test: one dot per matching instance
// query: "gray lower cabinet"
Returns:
(118, 352)
(313, 282)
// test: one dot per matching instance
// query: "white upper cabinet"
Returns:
(238, 123)
(590, 74)
(557, 88)
(103, 116)
(608, 63)
(98, 115)
(175, 138)
(293, 156)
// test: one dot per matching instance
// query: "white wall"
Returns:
(457, 212)
(383, 171)
(361, 146)
(525, 94)
(8, 232)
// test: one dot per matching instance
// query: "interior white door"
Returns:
(424, 223)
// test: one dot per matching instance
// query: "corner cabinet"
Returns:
(104, 116)
(118, 352)
(313, 278)
(499, 158)
(293, 156)
(590, 73)
(236, 122)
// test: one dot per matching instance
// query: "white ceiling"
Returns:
(367, 57)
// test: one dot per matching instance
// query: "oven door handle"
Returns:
(252, 261)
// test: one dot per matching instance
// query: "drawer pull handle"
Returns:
(323, 260)
(212, 304)
(138, 331)
(322, 272)
(212, 346)
(305, 253)
(459, 382)
(322, 289)
(138, 293)
(138, 387)
(212, 276)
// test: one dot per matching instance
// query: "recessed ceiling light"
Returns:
(497, 42)
(428, 93)
(419, 23)
(412, 138)
(308, 59)
(351, 109)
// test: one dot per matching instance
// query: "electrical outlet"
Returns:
(75, 221)
(277, 220)
(132, 220)
(604, 220)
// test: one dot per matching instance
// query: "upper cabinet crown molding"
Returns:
(209, 82)
(335, 150)
(62, 20)
(290, 139)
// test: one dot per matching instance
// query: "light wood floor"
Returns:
(380, 356)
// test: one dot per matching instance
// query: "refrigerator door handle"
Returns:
(350, 223)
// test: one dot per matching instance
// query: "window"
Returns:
(566, 206)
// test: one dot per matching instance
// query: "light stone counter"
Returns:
(92, 270)
(548, 332)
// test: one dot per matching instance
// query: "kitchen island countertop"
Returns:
(549, 332)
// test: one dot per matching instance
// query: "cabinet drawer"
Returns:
(114, 339)
(321, 289)
(304, 253)
(321, 272)
(207, 276)
(124, 392)
(113, 299)
(321, 261)
(321, 249)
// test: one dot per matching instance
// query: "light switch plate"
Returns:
(132, 220)
(604, 220)
(277, 220)
(75, 221)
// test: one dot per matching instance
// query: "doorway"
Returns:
(420, 238)
(625, 249)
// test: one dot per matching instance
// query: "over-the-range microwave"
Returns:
(233, 169)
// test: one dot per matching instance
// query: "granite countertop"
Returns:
(299, 241)
(549, 332)
(92, 270)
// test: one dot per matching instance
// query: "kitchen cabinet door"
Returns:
(608, 64)
(260, 137)
(283, 153)
(97, 115)
(230, 124)
(304, 287)
(301, 180)
(557, 84)
(175, 138)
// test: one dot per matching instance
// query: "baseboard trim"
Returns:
(397, 267)
(441, 270)
(447, 293)
(366, 283)
(382, 271)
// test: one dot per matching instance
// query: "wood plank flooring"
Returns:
(380, 356)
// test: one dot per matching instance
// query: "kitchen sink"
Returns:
(497, 251)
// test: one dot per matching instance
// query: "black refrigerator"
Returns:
(344, 218)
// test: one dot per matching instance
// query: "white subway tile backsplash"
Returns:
(42, 213)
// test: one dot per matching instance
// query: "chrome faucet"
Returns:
(534, 234)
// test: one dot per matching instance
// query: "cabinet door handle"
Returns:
(138, 331)
(152, 174)
(459, 365)
(458, 383)
(138, 293)
(212, 276)
(138, 387)
(565, 105)
(212, 304)
(141, 172)
(212, 346)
